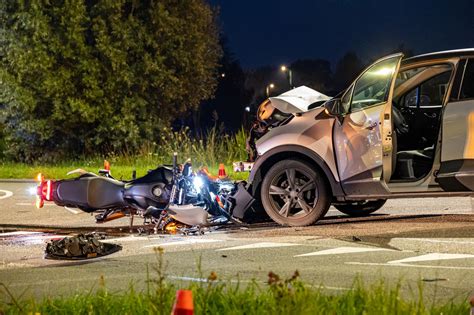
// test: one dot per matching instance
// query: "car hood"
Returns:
(297, 100)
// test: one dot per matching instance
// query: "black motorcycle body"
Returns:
(162, 193)
(90, 192)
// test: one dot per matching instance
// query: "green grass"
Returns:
(288, 296)
(217, 296)
(10, 170)
(214, 149)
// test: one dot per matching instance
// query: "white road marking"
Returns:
(429, 257)
(18, 233)
(7, 194)
(128, 239)
(185, 242)
(73, 211)
(192, 279)
(434, 240)
(259, 245)
(408, 265)
(344, 250)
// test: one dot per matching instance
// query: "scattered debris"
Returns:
(78, 247)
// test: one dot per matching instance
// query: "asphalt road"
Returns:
(409, 240)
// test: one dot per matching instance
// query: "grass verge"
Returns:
(120, 170)
(215, 296)
(208, 150)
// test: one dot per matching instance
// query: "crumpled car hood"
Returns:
(297, 100)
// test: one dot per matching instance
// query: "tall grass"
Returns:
(215, 296)
(208, 149)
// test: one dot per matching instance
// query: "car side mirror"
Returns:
(334, 107)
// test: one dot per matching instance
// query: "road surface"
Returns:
(409, 240)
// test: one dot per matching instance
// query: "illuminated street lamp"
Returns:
(270, 86)
(287, 70)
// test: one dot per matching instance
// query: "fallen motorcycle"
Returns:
(168, 198)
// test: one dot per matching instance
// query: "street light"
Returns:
(267, 89)
(284, 68)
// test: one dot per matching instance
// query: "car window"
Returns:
(429, 93)
(424, 86)
(467, 89)
(432, 92)
(407, 74)
(373, 86)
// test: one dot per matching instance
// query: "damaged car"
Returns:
(403, 129)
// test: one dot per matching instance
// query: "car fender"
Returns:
(288, 151)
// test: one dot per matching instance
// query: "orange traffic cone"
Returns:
(106, 165)
(222, 173)
(184, 303)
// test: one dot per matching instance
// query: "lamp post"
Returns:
(267, 89)
(285, 69)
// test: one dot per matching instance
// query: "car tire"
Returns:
(294, 193)
(357, 209)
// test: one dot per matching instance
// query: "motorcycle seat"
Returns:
(91, 193)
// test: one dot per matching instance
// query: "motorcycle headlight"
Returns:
(198, 183)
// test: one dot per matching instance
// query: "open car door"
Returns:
(363, 136)
(457, 147)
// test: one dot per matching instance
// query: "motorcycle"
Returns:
(169, 198)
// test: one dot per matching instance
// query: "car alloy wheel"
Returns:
(294, 193)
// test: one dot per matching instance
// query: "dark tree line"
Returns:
(86, 76)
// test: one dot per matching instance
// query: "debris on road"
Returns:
(78, 247)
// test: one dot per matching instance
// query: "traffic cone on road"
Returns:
(184, 303)
(472, 305)
(106, 165)
(222, 173)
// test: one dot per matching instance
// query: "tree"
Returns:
(347, 69)
(93, 76)
(231, 96)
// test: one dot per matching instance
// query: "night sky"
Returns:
(272, 32)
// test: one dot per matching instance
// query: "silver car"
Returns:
(403, 128)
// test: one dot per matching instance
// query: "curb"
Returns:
(14, 180)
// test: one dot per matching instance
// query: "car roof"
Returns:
(440, 54)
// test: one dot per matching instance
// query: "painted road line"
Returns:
(33, 204)
(259, 245)
(205, 280)
(128, 239)
(6, 195)
(408, 265)
(16, 233)
(344, 250)
(185, 242)
(73, 211)
(430, 257)
(430, 240)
